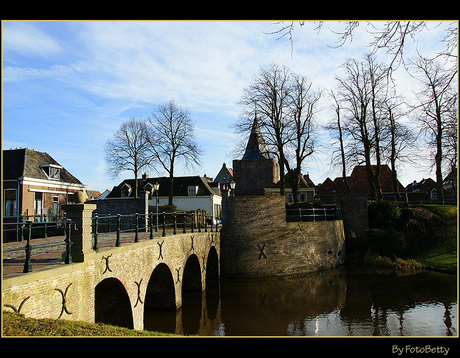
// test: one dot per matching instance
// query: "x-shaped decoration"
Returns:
(17, 310)
(204, 266)
(178, 278)
(261, 251)
(192, 237)
(138, 292)
(64, 300)
(107, 267)
(161, 246)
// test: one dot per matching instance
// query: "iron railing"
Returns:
(26, 229)
(312, 215)
(151, 223)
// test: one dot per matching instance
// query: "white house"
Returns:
(189, 193)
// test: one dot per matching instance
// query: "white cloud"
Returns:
(28, 40)
(94, 74)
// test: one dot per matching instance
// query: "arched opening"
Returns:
(212, 266)
(160, 301)
(191, 296)
(212, 283)
(112, 305)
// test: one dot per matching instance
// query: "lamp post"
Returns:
(156, 187)
(227, 189)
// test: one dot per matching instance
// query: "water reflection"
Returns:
(348, 301)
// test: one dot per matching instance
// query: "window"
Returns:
(192, 190)
(52, 171)
(290, 198)
(55, 173)
(10, 202)
(55, 206)
(125, 190)
(434, 195)
(38, 205)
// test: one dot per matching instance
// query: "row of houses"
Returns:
(36, 185)
(424, 190)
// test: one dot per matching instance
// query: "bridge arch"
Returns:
(112, 304)
(212, 266)
(191, 279)
(212, 284)
(160, 293)
(191, 295)
(160, 300)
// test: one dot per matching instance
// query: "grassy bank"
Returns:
(444, 256)
(17, 325)
(408, 237)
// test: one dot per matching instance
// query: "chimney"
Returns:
(145, 176)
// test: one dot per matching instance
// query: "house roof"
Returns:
(288, 181)
(424, 185)
(25, 162)
(225, 175)
(359, 184)
(180, 188)
(255, 149)
(328, 187)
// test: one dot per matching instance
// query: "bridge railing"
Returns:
(26, 229)
(312, 215)
(154, 224)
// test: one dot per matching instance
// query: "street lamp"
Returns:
(156, 187)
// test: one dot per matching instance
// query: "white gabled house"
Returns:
(190, 193)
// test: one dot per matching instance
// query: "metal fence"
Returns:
(107, 231)
(26, 229)
(312, 215)
(154, 224)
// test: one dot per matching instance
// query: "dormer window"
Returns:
(52, 171)
(125, 190)
(192, 190)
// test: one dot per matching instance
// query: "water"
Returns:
(348, 301)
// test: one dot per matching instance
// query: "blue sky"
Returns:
(67, 86)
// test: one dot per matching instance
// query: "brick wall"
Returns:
(252, 176)
(354, 214)
(259, 241)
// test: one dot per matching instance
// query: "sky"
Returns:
(68, 85)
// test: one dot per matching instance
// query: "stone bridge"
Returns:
(118, 285)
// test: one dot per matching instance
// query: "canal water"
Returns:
(346, 301)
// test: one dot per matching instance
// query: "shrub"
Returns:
(387, 242)
(384, 214)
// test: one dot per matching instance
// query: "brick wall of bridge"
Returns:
(68, 291)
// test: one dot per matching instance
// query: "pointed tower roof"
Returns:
(255, 149)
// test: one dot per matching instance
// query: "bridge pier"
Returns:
(81, 215)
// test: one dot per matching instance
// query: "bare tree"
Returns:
(436, 107)
(285, 104)
(128, 149)
(336, 126)
(302, 108)
(171, 138)
(355, 92)
(390, 36)
(399, 138)
(268, 97)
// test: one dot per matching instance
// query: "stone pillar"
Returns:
(81, 235)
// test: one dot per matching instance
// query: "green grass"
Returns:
(17, 325)
(443, 257)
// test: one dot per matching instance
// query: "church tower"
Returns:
(256, 170)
